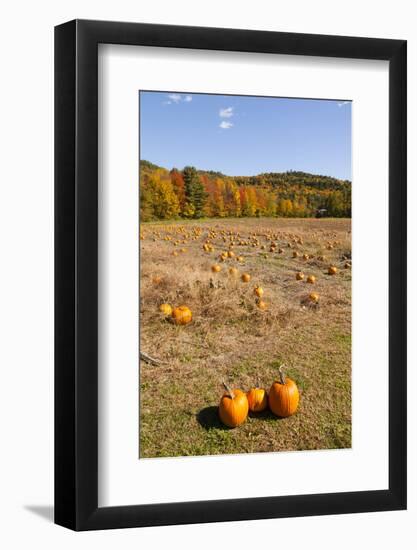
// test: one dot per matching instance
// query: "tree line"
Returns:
(194, 194)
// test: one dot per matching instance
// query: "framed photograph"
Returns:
(230, 244)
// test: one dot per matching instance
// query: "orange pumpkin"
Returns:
(332, 270)
(182, 315)
(261, 304)
(257, 399)
(259, 291)
(314, 297)
(233, 271)
(246, 277)
(215, 268)
(233, 408)
(311, 279)
(299, 276)
(283, 396)
(166, 309)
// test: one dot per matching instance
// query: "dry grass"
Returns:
(231, 339)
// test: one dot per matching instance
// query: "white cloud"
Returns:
(226, 113)
(225, 124)
(176, 98)
(343, 103)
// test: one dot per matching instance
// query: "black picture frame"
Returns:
(76, 272)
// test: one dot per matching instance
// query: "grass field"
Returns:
(230, 339)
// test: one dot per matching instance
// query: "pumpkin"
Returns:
(233, 408)
(295, 254)
(299, 276)
(259, 291)
(311, 279)
(246, 277)
(283, 396)
(166, 309)
(314, 297)
(233, 271)
(332, 270)
(215, 268)
(261, 304)
(257, 399)
(240, 258)
(182, 315)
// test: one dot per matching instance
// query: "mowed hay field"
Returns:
(231, 339)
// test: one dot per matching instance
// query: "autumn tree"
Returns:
(192, 194)
(179, 187)
(285, 207)
(334, 204)
(218, 208)
(146, 204)
(158, 199)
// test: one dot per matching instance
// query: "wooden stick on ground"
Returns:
(148, 359)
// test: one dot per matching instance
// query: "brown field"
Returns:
(230, 339)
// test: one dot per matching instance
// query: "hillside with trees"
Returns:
(191, 193)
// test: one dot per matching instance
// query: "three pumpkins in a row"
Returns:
(283, 401)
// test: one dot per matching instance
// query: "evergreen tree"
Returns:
(195, 194)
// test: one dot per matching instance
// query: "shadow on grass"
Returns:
(265, 415)
(208, 418)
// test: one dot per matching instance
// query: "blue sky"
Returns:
(246, 135)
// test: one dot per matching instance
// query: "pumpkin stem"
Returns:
(281, 374)
(229, 391)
